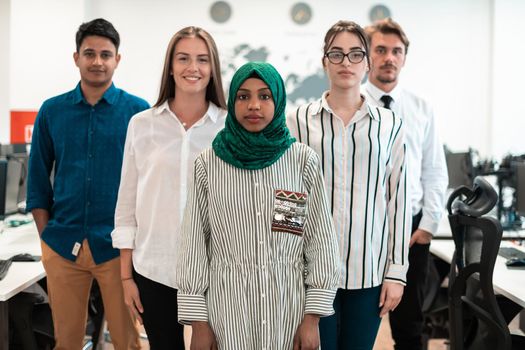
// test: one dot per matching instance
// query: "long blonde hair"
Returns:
(214, 91)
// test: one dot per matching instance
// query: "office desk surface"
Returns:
(444, 232)
(509, 282)
(22, 239)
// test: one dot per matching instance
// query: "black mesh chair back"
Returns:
(476, 321)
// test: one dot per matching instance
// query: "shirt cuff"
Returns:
(38, 204)
(192, 308)
(319, 302)
(124, 237)
(428, 225)
(397, 273)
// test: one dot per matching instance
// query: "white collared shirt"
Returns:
(364, 170)
(428, 176)
(156, 171)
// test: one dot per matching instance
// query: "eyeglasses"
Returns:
(337, 57)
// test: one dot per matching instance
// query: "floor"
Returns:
(384, 339)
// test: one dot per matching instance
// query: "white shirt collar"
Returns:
(376, 92)
(362, 111)
(213, 111)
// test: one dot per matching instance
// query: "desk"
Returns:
(444, 232)
(22, 239)
(506, 281)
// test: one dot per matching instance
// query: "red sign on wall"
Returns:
(22, 126)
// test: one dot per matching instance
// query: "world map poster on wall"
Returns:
(301, 86)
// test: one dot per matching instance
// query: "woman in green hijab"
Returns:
(259, 254)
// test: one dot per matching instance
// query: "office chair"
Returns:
(435, 303)
(31, 323)
(476, 321)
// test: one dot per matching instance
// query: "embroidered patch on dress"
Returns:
(289, 212)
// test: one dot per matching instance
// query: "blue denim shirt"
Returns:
(86, 144)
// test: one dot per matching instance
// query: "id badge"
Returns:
(289, 213)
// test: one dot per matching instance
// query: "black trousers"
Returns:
(406, 321)
(160, 314)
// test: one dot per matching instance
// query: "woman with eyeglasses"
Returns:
(362, 153)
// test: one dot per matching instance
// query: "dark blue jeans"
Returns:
(355, 322)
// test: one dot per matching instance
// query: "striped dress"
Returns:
(258, 250)
(365, 171)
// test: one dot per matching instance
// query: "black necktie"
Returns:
(387, 100)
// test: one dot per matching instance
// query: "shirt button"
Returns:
(256, 184)
(258, 213)
(264, 322)
(88, 204)
(89, 179)
(263, 295)
(90, 155)
(263, 267)
(261, 242)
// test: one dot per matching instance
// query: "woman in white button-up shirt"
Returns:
(161, 146)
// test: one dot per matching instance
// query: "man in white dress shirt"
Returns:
(426, 169)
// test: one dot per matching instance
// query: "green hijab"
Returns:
(254, 150)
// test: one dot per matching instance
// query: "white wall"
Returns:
(41, 52)
(449, 61)
(509, 76)
(4, 69)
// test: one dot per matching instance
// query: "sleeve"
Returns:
(41, 161)
(292, 122)
(123, 236)
(398, 209)
(320, 245)
(434, 178)
(192, 267)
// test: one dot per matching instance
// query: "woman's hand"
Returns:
(132, 298)
(391, 294)
(202, 337)
(307, 335)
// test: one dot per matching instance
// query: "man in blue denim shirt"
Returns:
(81, 135)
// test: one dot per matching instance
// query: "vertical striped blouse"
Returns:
(365, 175)
(258, 250)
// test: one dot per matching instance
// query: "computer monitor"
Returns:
(18, 152)
(23, 159)
(519, 178)
(10, 148)
(10, 174)
(460, 169)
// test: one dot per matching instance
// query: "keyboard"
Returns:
(510, 252)
(4, 267)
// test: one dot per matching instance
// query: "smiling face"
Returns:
(254, 106)
(191, 67)
(345, 75)
(96, 60)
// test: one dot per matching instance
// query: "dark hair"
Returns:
(350, 27)
(388, 26)
(98, 27)
(214, 91)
